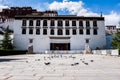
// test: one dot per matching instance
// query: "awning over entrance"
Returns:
(59, 39)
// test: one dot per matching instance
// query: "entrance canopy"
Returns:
(59, 39)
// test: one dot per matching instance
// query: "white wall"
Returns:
(42, 42)
(21, 42)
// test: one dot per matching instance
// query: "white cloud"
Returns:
(77, 8)
(112, 19)
(2, 4)
(40, 7)
(2, 7)
(72, 7)
(86, 12)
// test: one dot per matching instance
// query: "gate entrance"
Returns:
(59, 46)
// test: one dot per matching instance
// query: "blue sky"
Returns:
(105, 6)
(109, 8)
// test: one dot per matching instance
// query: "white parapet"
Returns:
(104, 52)
(115, 52)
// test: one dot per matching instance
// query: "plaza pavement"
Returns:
(60, 67)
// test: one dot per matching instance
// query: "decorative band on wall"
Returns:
(59, 37)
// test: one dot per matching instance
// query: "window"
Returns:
(30, 40)
(24, 31)
(30, 30)
(94, 23)
(52, 23)
(60, 23)
(44, 31)
(45, 23)
(38, 23)
(81, 31)
(80, 23)
(37, 31)
(73, 23)
(74, 31)
(87, 40)
(110, 27)
(67, 32)
(88, 31)
(95, 31)
(113, 28)
(60, 32)
(31, 23)
(66, 23)
(24, 23)
(87, 23)
(52, 32)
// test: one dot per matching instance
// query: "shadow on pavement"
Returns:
(8, 60)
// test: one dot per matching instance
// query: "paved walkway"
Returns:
(59, 67)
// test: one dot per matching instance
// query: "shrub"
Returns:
(12, 52)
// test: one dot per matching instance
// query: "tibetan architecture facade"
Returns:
(111, 29)
(49, 31)
(8, 14)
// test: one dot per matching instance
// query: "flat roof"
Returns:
(57, 17)
(110, 26)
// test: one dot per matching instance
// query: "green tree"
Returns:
(7, 41)
(116, 41)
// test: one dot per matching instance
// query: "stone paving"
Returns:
(60, 67)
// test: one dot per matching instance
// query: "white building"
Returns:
(111, 29)
(8, 22)
(58, 32)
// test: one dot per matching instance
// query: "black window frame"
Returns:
(37, 22)
(24, 22)
(67, 23)
(52, 23)
(81, 31)
(44, 31)
(73, 23)
(87, 23)
(74, 32)
(59, 23)
(87, 41)
(30, 30)
(30, 40)
(80, 23)
(30, 22)
(95, 31)
(60, 32)
(44, 22)
(87, 31)
(23, 30)
(94, 23)
(67, 32)
(37, 31)
(52, 32)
